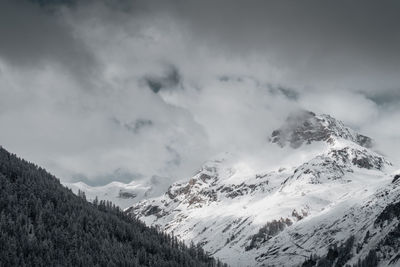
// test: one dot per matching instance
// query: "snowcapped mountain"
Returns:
(330, 197)
(123, 195)
(305, 127)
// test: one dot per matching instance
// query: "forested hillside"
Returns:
(42, 223)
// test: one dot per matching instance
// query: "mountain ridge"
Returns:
(253, 217)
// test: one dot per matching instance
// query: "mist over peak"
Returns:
(307, 127)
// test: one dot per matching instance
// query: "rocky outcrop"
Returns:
(305, 127)
(126, 195)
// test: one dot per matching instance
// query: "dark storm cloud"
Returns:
(346, 44)
(134, 126)
(33, 36)
(47, 3)
(170, 79)
(319, 43)
(289, 93)
(184, 80)
(385, 98)
(138, 125)
(337, 42)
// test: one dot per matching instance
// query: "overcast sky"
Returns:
(98, 91)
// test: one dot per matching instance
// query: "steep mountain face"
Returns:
(43, 223)
(341, 199)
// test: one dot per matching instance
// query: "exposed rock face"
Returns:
(396, 178)
(306, 127)
(280, 216)
(125, 194)
(268, 231)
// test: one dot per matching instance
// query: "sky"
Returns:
(101, 91)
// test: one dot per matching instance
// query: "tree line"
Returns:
(42, 223)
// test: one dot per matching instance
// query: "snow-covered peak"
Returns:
(305, 127)
(255, 213)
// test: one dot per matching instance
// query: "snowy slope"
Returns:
(122, 194)
(279, 216)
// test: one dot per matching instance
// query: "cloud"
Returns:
(134, 126)
(119, 90)
(34, 37)
(335, 44)
(353, 108)
(170, 80)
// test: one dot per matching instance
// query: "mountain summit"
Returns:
(337, 206)
(306, 127)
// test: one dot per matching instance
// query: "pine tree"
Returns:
(43, 223)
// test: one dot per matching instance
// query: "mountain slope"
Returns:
(282, 216)
(43, 223)
(123, 195)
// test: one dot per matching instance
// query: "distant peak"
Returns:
(305, 127)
